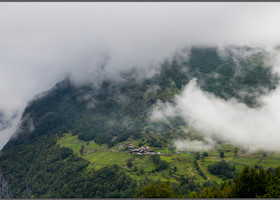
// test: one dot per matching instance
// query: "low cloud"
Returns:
(255, 128)
(41, 43)
(10, 130)
(195, 145)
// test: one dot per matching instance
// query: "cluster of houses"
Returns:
(140, 150)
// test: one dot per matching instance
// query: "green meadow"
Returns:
(180, 163)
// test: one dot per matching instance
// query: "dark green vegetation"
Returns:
(250, 183)
(68, 141)
(222, 169)
(43, 169)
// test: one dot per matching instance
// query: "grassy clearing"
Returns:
(165, 150)
(275, 156)
(142, 165)
(251, 161)
(269, 162)
(100, 156)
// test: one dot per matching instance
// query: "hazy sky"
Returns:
(40, 43)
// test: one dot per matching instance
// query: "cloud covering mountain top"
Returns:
(41, 43)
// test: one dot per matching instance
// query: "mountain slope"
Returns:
(34, 165)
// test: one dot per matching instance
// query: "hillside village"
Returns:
(142, 150)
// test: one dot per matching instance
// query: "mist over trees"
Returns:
(194, 84)
(117, 112)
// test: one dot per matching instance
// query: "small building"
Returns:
(131, 147)
(140, 150)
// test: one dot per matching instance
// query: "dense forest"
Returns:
(35, 165)
(250, 183)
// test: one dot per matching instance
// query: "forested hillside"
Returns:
(62, 133)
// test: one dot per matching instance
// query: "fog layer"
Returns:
(254, 128)
(41, 43)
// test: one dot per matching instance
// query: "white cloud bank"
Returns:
(40, 43)
(195, 145)
(228, 120)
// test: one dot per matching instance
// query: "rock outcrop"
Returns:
(4, 189)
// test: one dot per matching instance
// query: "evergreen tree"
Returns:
(157, 189)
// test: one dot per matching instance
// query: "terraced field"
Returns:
(142, 164)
